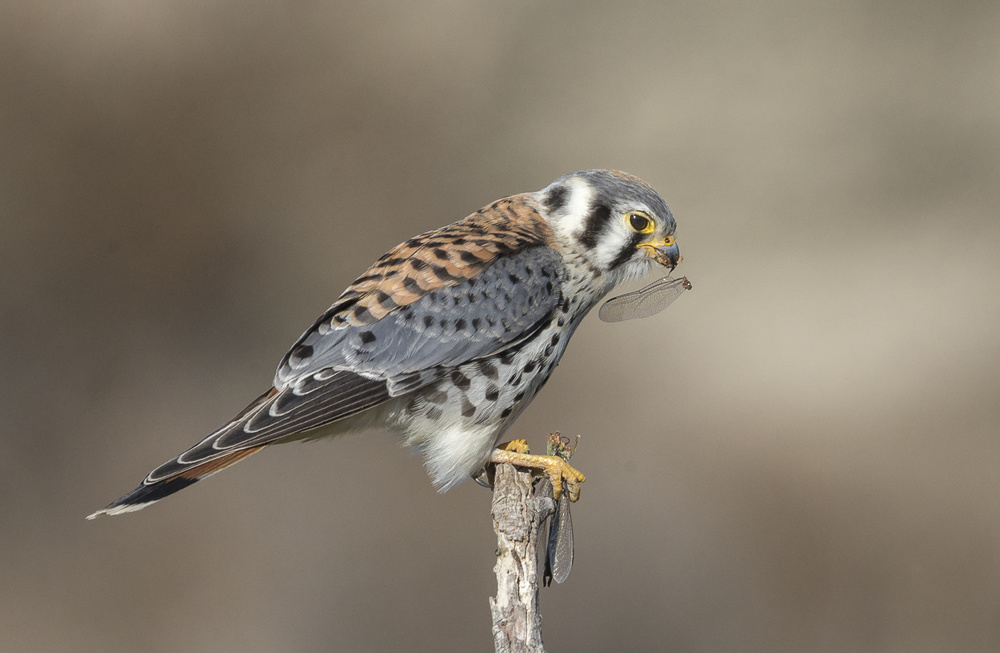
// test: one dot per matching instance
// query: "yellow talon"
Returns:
(518, 446)
(557, 469)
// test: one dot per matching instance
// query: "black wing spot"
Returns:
(384, 299)
(361, 314)
(442, 274)
(468, 410)
(367, 337)
(492, 393)
(367, 278)
(301, 353)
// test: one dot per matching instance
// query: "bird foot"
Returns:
(558, 470)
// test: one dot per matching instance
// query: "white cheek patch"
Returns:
(570, 220)
(610, 245)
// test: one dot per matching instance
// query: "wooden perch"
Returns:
(517, 516)
(521, 504)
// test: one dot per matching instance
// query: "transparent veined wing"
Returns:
(559, 550)
(644, 302)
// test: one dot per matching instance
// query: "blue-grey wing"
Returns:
(509, 300)
(353, 367)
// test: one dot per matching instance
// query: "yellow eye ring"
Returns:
(639, 222)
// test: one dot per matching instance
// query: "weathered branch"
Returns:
(517, 516)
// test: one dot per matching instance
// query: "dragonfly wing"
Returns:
(559, 557)
(645, 302)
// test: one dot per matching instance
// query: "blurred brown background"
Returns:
(802, 454)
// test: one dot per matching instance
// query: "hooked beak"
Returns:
(664, 251)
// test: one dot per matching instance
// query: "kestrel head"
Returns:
(612, 220)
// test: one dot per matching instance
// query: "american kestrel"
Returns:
(450, 335)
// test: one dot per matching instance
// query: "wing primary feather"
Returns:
(320, 414)
(149, 493)
(347, 394)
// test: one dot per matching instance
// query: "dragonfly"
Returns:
(645, 302)
(559, 541)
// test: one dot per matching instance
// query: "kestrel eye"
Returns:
(640, 223)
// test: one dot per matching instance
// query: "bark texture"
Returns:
(517, 516)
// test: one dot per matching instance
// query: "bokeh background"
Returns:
(801, 454)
